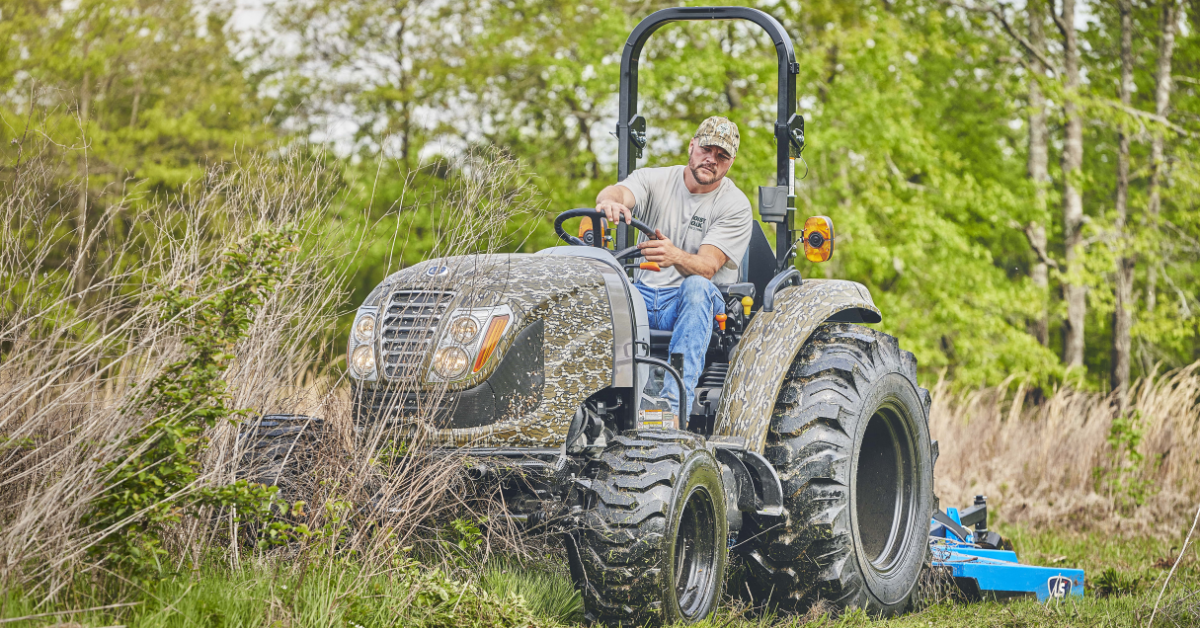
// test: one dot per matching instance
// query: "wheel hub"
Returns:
(885, 489)
(696, 553)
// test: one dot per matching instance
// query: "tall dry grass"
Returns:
(81, 336)
(1053, 465)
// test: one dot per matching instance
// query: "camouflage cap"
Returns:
(719, 131)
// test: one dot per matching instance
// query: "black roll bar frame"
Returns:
(789, 127)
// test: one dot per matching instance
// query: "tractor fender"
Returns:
(768, 347)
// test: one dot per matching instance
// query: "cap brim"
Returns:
(720, 143)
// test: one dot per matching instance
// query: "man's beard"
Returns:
(703, 176)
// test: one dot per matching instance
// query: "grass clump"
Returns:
(546, 589)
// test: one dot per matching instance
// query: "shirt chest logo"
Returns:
(697, 223)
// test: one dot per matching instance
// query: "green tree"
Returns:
(115, 95)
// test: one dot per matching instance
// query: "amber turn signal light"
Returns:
(585, 226)
(651, 266)
(494, 331)
(818, 239)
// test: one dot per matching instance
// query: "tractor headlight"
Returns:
(364, 329)
(450, 362)
(471, 336)
(363, 360)
(463, 329)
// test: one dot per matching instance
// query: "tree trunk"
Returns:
(1162, 100)
(137, 99)
(1123, 289)
(1039, 167)
(85, 104)
(1072, 198)
(1036, 234)
(831, 62)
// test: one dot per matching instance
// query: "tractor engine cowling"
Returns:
(495, 351)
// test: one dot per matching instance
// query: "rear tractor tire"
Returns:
(849, 437)
(652, 543)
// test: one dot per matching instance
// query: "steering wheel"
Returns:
(596, 215)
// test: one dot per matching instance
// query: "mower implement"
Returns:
(984, 566)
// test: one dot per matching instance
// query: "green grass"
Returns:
(263, 596)
(547, 589)
(506, 592)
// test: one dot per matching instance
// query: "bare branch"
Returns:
(1179, 232)
(1038, 248)
(1105, 236)
(1149, 116)
(1062, 26)
(1008, 28)
(1185, 312)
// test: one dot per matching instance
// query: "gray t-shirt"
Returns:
(721, 218)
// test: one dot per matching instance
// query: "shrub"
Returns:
(156, 481)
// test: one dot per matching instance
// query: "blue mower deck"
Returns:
(996, 573)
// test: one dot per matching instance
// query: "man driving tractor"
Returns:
(702, 227)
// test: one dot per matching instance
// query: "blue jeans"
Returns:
(688, 311)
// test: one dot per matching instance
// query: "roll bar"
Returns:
(775, 203)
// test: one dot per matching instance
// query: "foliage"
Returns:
(145, 93)
(124, 103)
(1126, 476)
(917, 130)
(155, 481)
(463, 539)
(332, 592)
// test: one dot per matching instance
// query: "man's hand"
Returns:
(661, 250)
(614, 211)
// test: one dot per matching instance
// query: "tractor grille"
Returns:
(410, 323)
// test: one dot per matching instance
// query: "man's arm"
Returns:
(705, 262)
(615, 201)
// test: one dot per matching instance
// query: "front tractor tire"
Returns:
(849, 437)
(652, 540)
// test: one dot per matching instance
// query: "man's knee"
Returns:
(695, 291)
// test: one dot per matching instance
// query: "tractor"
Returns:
(806, 452)
(807, 449)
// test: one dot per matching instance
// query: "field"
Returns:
(121, 398)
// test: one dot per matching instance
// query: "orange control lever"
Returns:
(721, 318)
(651, 266)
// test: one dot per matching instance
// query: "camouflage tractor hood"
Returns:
(572, 299)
